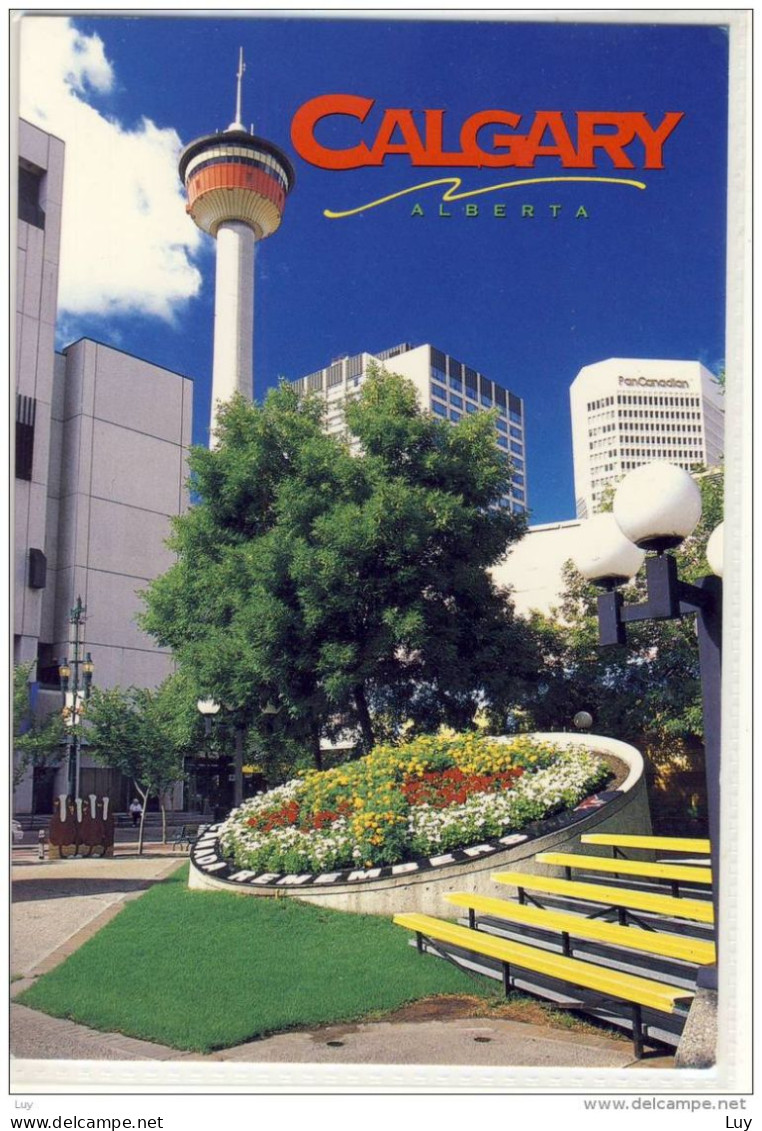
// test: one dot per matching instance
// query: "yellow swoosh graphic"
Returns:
(455, 183)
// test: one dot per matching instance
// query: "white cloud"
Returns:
(126, 241)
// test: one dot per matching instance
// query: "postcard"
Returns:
(418, 298)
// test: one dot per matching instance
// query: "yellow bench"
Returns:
(674, 874)
(635, 991)
(622, 899)
(658, 843)
(682, 947)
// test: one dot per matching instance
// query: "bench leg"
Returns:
(419, 942)
(566, 943)
(637, 1032)
(622, 916)
(472, 918)
(506, 978)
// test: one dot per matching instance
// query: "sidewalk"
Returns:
(57, 905)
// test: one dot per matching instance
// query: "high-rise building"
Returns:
(628, 411)
(446, 387)
(237, 186)
(100, 448)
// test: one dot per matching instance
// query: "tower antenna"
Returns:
(237, 124)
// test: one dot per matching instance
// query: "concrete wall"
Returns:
(123, 435)
(420, 886)
(35, 300)
(111, 434)
(533, 567)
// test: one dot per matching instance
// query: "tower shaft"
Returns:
(233, 366)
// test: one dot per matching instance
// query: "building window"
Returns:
(26, 410)
(335, 375)
(47, 666)
(455, 369)
(456, 401)
(30, 186)
(455, 416)
(438, 360)
(439, 408)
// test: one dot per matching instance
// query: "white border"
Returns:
(733, 1073)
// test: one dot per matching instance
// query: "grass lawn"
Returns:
(204, 970)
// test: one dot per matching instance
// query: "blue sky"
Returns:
(528, 301)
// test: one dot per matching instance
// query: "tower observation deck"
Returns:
(236, 184)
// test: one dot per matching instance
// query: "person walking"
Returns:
(136, 810)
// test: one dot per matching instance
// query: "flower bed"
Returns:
(398, 803)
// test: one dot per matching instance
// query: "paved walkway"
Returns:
(57, 905)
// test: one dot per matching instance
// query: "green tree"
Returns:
(145, 734)
(334, 575)
(36, 741)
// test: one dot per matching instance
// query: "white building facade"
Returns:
(629, 411)
(533, 568)
(446, 387)
(100, 467)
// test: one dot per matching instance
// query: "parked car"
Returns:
(17, 833)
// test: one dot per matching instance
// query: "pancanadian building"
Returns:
(446, 387)
(628, 411)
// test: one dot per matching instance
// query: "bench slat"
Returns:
(698, 951)
(685, 873)
(612, 983)
(670, 843)
(699, 910)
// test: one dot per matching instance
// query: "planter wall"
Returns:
(419, 885)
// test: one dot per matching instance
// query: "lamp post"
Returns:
(76, 681)
(208, 708)
(655, 508)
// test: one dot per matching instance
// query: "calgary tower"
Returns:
(237, 186)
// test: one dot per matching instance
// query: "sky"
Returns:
(526, 300)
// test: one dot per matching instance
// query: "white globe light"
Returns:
(207, 706)
(657, 505)
(603, 553)
(714, 549)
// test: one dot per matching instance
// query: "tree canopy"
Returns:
(36, 741)
(144, 733)
(333, 575)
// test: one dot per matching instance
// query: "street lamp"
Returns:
(583, 721)
(656, 506)
(208, 708)
(76, 681)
